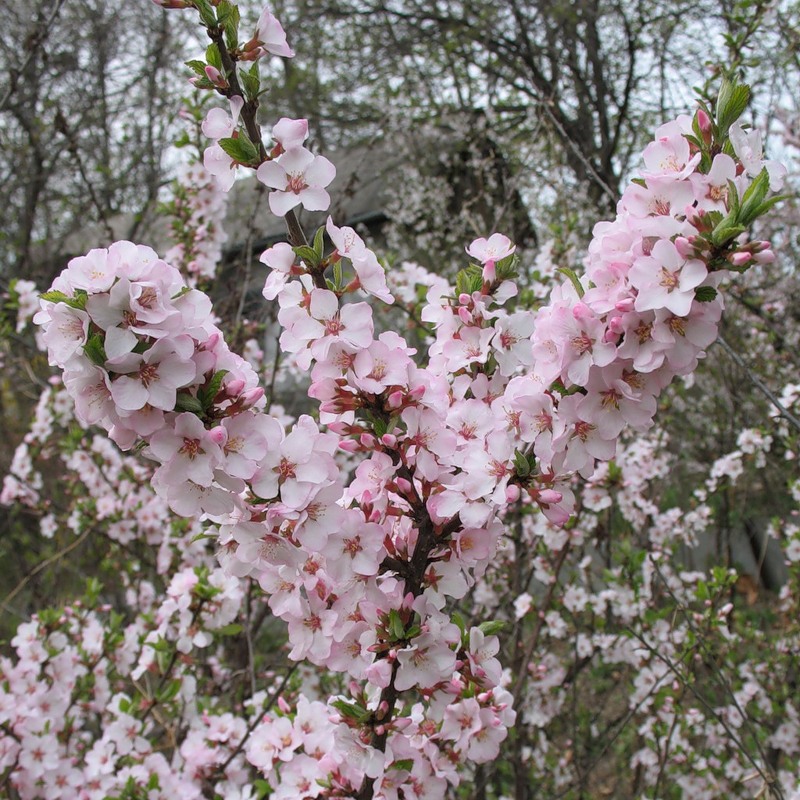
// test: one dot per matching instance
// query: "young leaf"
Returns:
(94, 350)
(573, 279)
(308, 254)
(213, 57)
(319, 242)
(240, 149)
(705, 294)
(186, 402)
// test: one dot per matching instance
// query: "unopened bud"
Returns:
(389, 440)
(512, 493)
(218, 435)
(550, 496)
(251, 397)
(235, 387)
(349, 446)
(216, 77)
(395, 399)
(404, 485)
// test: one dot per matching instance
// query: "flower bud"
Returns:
(251, 397)
(235, 387)
(218, 435)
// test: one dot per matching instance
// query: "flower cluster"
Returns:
(198, 211)
(504, 409)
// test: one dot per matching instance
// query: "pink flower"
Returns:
(289, 133)
(425, 663)
(490, 251)
(666, 279)
(155, 376)
(280, 258)
(187, 452)
(269, 37)
(298, 176)
(218, 124)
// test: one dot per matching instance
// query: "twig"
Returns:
(768, 393)
(39, 567)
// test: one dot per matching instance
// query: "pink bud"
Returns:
(550, 496)
(465, 299)
(464, 315)
(512, 493)
(339, 428)
(704, 123)
(404, 485)
(389, 440)
(215, 76)
(235, 387)
(417, 392)
(684, 247)
(367, 440)
(218, 435)
(375, 516)
(283, 705)
(349, 446)
(395, 399)
(251, 397)
(739, 259)
(625, 305)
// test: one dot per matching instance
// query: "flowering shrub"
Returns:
(365, 526)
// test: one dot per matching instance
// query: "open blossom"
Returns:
(269, 37)
(220, 125)
(490, 251)
(154, 377)
(748, 148)
(666, 279)
(299, 177)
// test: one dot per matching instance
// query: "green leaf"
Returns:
(94, 350)
(573, 279)
(228, 20)
(396, 627)
(250, 83)
(753, 198)
(506, 268)
(213, 56)
(186, 402)
(731, 103)
(240, 149)
(307, 254)
(54, 296)
(727, 230)
(351, 710)
(521, 464)
(229, 630)
(405, 764)
(170, 691)
(207, 394)
(197, 66)
(206, 13)
(492, 627)
(705, 294)
(319, 242)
